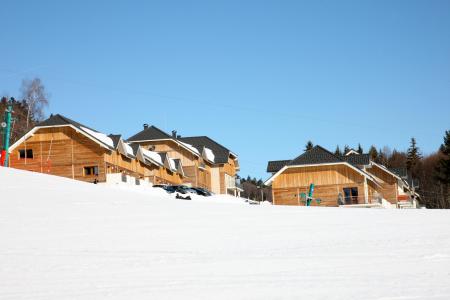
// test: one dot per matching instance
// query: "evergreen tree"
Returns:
(360, 149)
(443, 170)
(373, 153)
(309, 145)
(413, 157)
(346, 149)
(337, 152)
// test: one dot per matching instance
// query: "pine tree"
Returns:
(337, 152)
(373, 153)
(413, 157)
(360, 149)
(443, 170)
(346, 149)
(309, 145)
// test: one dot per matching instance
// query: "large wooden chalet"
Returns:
(63, 147)
(206, 163)
(350, 179)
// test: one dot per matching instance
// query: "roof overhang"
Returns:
(272, 178)
(173, 140)
(32, 131)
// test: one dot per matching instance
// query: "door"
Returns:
(351, 195)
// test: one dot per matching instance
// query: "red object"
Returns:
(2, 158)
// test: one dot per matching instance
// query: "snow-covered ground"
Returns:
(62, 239)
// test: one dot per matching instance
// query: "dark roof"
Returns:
(276, 165)
(357, 159)
(115, 138)
(148, 134)
(317, 155)
(401, 172)
(57, 120)
(135, 148)
(221, 153)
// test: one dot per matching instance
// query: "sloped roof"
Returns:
(276, 165)
(317, 155)
(221, 153)
(60, 120)
(115, 138)
(148, 134)
(357, 159)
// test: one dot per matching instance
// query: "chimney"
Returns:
(174, 134)
(145, 126)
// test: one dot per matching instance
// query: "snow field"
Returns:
(62, 239)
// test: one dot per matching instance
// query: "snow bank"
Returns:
(62, 239)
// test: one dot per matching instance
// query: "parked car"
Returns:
(202, 191)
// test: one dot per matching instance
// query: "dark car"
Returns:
(202, 191)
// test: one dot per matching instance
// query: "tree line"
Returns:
(29, 108)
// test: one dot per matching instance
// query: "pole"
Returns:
(7, 132)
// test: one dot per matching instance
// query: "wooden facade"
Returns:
(329, 181)
(197, 170)
(65, 151)
(336, 183)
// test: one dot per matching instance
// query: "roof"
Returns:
(276, 165)
(153, 133)
(148, 134)
(221, 153)
(115, 138)
(401, 172)
(357, 159)
(60, 120)
(317, 155)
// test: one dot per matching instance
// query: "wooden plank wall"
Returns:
(61, 151)
(388, 188)
(228, 168)
(329, 181)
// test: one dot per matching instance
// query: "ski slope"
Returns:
(62, 239)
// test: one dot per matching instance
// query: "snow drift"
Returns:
(62, 239)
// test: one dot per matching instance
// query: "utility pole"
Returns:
(7, 133)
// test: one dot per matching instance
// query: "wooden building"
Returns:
(63, 147)
(206, 163)
(351, 179)
(224, 167)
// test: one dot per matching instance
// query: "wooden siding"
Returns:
(228, 168)
(194, 175)
(63, 152)
(388, 187)
(329, 182)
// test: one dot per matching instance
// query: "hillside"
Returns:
(62, 239)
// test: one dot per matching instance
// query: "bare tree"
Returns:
(33, 93)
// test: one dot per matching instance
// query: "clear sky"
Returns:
(260, 77)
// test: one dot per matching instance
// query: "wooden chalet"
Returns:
(351, 179)
(63, 147)
(224, 164)
(206, 163)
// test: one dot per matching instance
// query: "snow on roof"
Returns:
(128, 149)
(172, 165)
(189, 146)
(209, 154)
(152, 155)
(99, 136)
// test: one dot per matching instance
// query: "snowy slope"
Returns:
(61, 239)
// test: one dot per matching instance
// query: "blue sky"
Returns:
(260, 77)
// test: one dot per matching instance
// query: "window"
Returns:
(26, 153)
(351, 195)
(90, 171)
